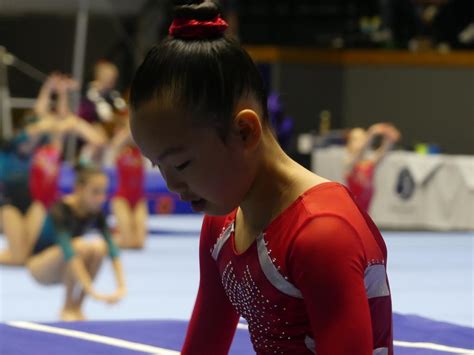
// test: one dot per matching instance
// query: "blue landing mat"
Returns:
(413, 336)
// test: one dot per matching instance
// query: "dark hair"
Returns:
(206, 76)
(85, 172)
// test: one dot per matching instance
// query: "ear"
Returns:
(248, 128)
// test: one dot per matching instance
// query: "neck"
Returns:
(272, 189)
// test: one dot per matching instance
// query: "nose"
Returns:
(174, 183)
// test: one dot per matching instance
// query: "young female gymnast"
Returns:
(129, 204)
(360, 165)
(61, 254)
(21, 215)
(46, 162)
(284, 248)
(30, 166)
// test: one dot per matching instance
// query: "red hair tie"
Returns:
(195, 29)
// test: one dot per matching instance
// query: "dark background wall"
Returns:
(434, 105)
(47, 43)
(429, 105)
(307, 90)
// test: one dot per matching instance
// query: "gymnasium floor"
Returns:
(431, 276)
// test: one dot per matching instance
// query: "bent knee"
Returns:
(99, 247)
(44, 275)
(81, 247)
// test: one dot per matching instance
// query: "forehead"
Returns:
(98, 179)
(106, 69)
(156, 127)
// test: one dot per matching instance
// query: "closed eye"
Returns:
(182, 166)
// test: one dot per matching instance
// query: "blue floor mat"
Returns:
(409, 332)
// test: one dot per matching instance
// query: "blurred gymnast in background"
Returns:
(61, 254)
(30, 165)
(129, 204)
(362, 161)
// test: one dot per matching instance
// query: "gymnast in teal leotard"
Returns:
(61, 253)
(63, 225)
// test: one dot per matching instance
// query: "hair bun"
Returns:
(197, 19)
(201, 10)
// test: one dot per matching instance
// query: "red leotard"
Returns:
(130, 175)
(314, 281)
(44, 175)
(360, 182)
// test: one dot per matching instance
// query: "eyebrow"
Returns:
(170, 151)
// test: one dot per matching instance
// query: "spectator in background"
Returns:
(370, 19)
(426, 24)
(454, 24)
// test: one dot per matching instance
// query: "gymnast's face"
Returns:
(93, 193)
(106, 75)
(195, 162)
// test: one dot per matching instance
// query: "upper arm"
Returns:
(63, 239)
(2, 167)
(62, 230)
(87, 131)
(113, 249)
(382, 151)
(213, 316)
(105, 231)
(358, 156)
(326, 263)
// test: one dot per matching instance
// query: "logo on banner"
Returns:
(405, 184)
(165, 204)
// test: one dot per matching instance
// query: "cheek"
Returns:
(229, 181)
(221, 174)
